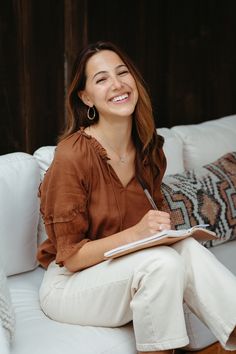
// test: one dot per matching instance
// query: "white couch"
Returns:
(21, 229)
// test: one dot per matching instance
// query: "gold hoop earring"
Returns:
(91, 117)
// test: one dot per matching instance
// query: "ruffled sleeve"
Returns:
(64, 196)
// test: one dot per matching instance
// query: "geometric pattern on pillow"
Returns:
(206, 195)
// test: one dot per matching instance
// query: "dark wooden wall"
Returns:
(185, 49)
(32, 74)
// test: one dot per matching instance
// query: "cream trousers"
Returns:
(147, 287)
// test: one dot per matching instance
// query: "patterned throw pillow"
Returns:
(207, 195)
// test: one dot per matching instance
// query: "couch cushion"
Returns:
(37, 334)
(7, 319)
(206, 142)
(44, 157)
(19, 181)
(173, 149)
(206, 195)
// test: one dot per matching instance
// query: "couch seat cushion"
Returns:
(36, 334)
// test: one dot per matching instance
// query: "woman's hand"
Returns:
(93, 252)
(152, 222)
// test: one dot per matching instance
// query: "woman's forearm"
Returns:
(93, 252)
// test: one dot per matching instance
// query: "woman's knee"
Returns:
(165, 260)
(172, 264)
(188, 246)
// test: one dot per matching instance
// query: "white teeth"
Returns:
(120, 98)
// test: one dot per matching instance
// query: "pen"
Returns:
(149, 197)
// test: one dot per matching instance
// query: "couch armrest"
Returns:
(19, 212)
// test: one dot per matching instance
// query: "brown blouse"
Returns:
(82, 198)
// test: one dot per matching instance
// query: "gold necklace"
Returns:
(122, 158)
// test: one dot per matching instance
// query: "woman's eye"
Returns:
(123, 72)
(100, 80)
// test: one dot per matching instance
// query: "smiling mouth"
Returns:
(120, 98)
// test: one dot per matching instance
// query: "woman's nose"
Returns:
(116, 82)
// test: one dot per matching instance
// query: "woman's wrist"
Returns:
(132, 234)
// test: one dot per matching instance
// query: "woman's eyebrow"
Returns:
(100, 72)
(120, 66)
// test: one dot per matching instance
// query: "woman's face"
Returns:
(109, 86)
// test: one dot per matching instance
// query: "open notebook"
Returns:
(165, 237)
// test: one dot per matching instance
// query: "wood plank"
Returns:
(186, 53)
(75, 23)
(10, 124)
(212, 349)
(40, 38)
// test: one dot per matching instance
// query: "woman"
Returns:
(92, 200)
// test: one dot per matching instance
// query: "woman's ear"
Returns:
(84, 97)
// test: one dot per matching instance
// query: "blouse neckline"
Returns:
(95, 143)
(103, 153)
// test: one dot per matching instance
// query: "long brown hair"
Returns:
(144, 135)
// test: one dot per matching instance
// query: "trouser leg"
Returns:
(159, 284)
(210, 290)
(146, 287)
